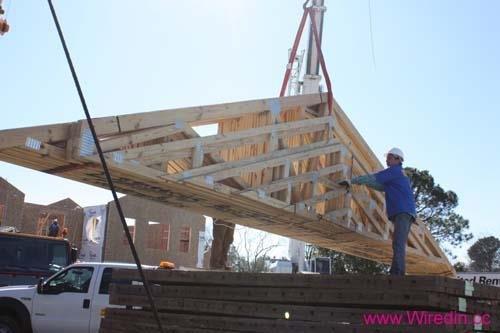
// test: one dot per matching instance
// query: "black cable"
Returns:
(105, 167)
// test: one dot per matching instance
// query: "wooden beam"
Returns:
(183, 148)
(133, 138)
(47, 133)
(49, 151)
(282, 184)
(199, 115)
(322, 197)
(230, 169)
(197, 156)
(214, 158)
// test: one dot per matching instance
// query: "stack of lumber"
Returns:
(197, 301)
(273, 165)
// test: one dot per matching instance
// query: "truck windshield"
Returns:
(31, 254)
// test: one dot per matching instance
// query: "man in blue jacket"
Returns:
(54, 229)
(400, 203)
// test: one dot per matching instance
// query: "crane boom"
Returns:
(312, 77)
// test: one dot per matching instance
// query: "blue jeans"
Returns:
(402, 223)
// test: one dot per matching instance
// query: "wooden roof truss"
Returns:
(272, 166)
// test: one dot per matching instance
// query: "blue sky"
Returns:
(430, 87)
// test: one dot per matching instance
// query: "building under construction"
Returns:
(273, 166)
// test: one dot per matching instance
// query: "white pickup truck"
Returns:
(69, 301)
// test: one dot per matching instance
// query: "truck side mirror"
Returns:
(39, 286)
(74, 254)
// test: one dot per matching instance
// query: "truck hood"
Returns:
(26, 291)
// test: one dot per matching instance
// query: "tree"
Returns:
(485, 254)
(460, 266)
(252, 254)
(435, 207)
(347, 264)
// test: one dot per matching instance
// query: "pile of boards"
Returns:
(199, 301)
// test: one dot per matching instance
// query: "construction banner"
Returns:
(94, 228)
(486, 278)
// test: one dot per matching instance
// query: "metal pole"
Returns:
(312, 77)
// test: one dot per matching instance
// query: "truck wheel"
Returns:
(8, 325)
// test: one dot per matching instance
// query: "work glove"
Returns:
(345, 183)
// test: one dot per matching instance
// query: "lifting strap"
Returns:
(308, 11)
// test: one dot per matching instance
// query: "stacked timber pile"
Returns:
(245, 302)
(273, 165)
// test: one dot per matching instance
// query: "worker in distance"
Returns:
(400, 203)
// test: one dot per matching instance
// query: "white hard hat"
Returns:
(397, 152)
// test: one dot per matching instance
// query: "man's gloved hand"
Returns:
(346, 183)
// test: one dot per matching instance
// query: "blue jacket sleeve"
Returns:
(387, 175)
(368, 180)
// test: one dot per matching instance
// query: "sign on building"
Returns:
(94, 228)
(489, 278)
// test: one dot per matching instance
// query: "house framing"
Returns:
(273, 166)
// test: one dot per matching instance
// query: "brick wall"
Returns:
(65, 210)
(149, 238)
(11, 205)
